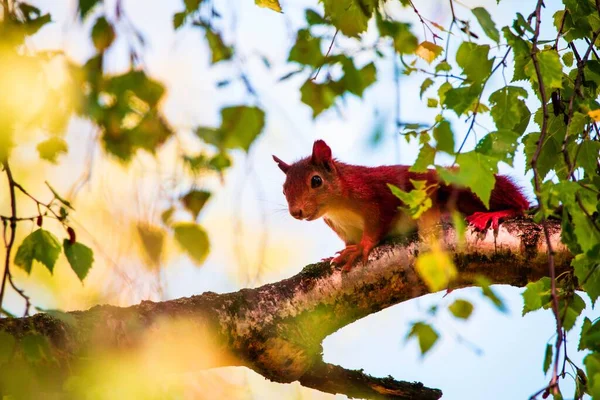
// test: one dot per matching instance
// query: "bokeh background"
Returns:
(253, 238)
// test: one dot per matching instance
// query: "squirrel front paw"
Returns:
(347, 257)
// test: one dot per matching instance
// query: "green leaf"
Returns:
(429, 51)
(51, 148)
(487, 291)
(480, 183)
(567, 59)
(80, 258)
(103, 34)
(240, 125)
(426, 335)
(167, 215)
(7, 345)
(592, 367)
(272, 4)
(405, 42)
(473, 59)
(522, 53)
(219, 51)
(461, 99)
(587, 271)
(314, 18)
(436, 269)
(193, 239)
(307, 49)
(443, 66)
(590, 336)
(547, 358)
(36, 348)
(191, 5)
(349, 16)
(425, 159)
(550, 70)
(85, 6)
(506, 111)
(570, 310)
(536, 295)
(179, 19)
(318, 96)
(588, 157)
(356, 81)
(444, 137)
(488, 26)
(461, 308)
(500, 145)
(416, 202)
(195, 200)
(153, 239)
(425, 85)
(40, 245)
(432, 103)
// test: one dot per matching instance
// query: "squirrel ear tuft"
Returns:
(282, 165)
(322, 154)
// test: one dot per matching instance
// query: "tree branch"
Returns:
(277, 329)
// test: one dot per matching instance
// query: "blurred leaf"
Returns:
(59, 197)
(480, 183)
(536, 295)
(588, 156)
(272, 4)
(416, 201)
(80, 258)
(40, 245)
(195, 200)
(318, 96)
(424, 86)
(179, 19)
(153, 238)
(461, 308)
(219, 51)
(432, 103)
(444, 137)
(240, 125)
(85, 6)
(571, 309)
(193, 239)
(405, 42)
(436, 269)
(429, 51)
(443, 66)
(473, 59)
(547, 358)
(307, 49)
(103, 34)
(458, 221)
(36, 348)
(487, 291)
(349, 16)
(192, 5)
(425, 158)
(167, 215)
(7, 346)
(314, 18)
(51, 148)
(487, 24)
(426, 335)
(587, 271)
(567, 59)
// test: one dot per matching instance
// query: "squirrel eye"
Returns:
(316, 181)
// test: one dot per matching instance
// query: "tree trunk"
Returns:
(277, 329)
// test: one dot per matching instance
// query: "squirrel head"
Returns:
(312, 184)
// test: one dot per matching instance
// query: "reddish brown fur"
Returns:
(362, 191)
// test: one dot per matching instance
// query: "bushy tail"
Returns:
(507, 196)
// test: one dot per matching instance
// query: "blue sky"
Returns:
(509, 363)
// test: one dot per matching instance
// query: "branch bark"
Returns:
(277, 329)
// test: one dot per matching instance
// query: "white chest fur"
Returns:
(347, 224)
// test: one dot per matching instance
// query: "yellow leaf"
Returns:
(272, 4)
(595, 115)
(429, 51)
(436, 269)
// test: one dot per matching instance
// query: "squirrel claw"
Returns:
(347, 257)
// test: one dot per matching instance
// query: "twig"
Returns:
(326, 55)
(544, 130)
(13, 229)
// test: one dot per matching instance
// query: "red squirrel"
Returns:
(357, 204)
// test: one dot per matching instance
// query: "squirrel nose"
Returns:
(296, 213)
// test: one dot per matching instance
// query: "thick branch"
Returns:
(277, 329)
